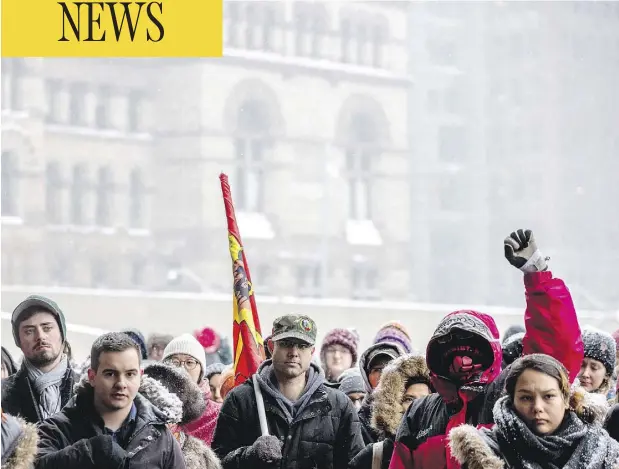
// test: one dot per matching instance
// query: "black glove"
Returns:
(521, 251)
(266, 451)
(106, 453)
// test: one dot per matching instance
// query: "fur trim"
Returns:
(590, 407)
(198, 455)
(159, 396)
(387, 410)
(470, 449)
(26, 450)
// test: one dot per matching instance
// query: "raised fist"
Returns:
(521, 251)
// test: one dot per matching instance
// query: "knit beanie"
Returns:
(600, 346)
(178, 382)
(351, 381)
(43, 304)
(209, 339)
(343, 337)
(187, 345)
(214, 369)
(395, 332)
(138, 338)
(160, 340)
(512, 330)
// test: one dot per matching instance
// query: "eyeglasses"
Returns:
(189, 364)
(337, 349)
(293, 344)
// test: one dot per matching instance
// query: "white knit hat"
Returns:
(187, 345)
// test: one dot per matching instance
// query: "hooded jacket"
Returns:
(320, 430)
(551, 328)
(19, 443)
(71, 439)
(387, 410)
(370, 435)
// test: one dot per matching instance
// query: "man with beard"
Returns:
(44, 383)
(310, 425)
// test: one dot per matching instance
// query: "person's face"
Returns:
(292, 357)
(356, 399)
(338, 359)
(414, 391)
(156, 353)
(188, 362)
(539, 402)
(40, 339)
(592, 374)
(376, 369)
(215, 382)
(117, 379)
(5, 371)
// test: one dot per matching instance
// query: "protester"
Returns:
(404, 380)
(44, 383)
(372, 363)
(19, 443)
(599, 363)
(538, 424)
(185, 351)
(511, 331)
(464, 356)
(394, 332)
(310, 425)
(213, 376)
(512, 349)
(138, 338)
(338, 353)
(156, 344)
(216, 348)
(108, 424)
(8, 365)
(160, 384)
(351, 383)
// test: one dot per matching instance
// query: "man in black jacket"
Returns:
(44, 383)
(108, 424)
(310, 425)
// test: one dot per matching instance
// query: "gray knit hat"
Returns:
(351, 381)
(600, 346)
(214, 369)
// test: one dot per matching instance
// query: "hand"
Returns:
(105, 452)
(267, 449)
(521, 251)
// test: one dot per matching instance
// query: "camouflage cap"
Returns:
(294, 326)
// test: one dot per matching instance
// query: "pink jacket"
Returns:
(204, 427)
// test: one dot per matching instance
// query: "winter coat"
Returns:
(18, 397)
(19, 443)
(204, 427)
(71, 439)
(370, 435)
(387, 410)
(611, 424)
(325, 433)
(8, 361)
(551, 328)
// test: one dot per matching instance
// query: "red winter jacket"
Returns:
(551, 328)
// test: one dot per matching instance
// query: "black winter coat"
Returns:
(326, 435)
(71, 439)
(19, 399)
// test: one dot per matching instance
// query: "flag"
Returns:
(246, 334)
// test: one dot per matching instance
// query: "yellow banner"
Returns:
(162, 28)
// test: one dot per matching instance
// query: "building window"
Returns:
(105, 188)
(233, 22)
(359, 184)
(311, 27)
(53, 90)
(103, 113)
(364, 281)
(53, 193)
(77, 105)
(9, 183)
(308, 281)
(135, 109)
(260, 26)
(13, 71)
(137, 199)
(138, 266)
(78, 194)
(346, 40)
(379, 38)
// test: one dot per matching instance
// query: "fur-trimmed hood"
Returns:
(363, 361)
(198, 455)
(25, 450)
(387, 408)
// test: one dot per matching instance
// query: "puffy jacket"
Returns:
(18, 398)
(324, 435)
(551, 328)
(19, 443)
(71, 439)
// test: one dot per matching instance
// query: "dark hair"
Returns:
(543, 364)
(417, 380)
(112, 342)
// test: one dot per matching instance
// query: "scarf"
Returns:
(47, 386)
(204, 427)
(574, 445)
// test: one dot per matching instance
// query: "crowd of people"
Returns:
(542, 396)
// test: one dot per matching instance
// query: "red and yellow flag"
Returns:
(246, 333)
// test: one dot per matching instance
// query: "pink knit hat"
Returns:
(343, 337)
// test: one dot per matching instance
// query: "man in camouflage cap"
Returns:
(310, 425)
